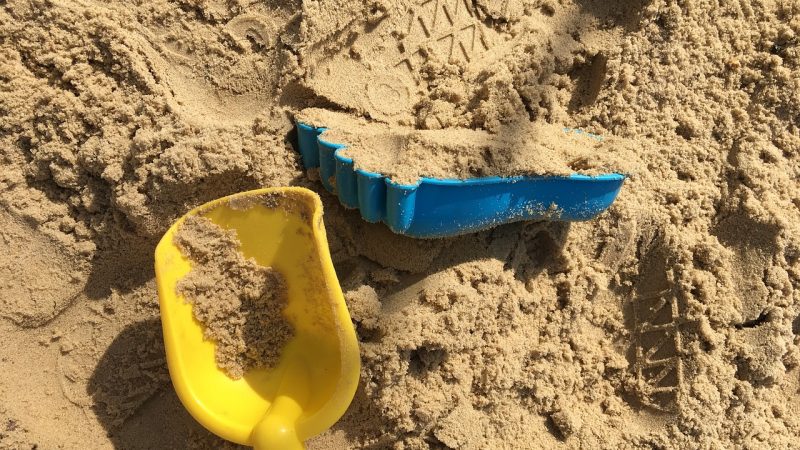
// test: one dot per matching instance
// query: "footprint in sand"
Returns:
(219, 76)
(378, 72)
(658, 366)
(376, 67)
(763, 337)
(753, 245)
(661, 326)
(657, 337)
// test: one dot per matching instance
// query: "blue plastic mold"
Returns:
(437, 208)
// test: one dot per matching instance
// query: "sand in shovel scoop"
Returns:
(238, 301)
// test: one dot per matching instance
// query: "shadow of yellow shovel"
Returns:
(316, 377)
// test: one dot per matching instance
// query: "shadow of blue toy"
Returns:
(449, 207)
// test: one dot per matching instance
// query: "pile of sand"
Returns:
(238, 302)
(525, 148)
(672, 320)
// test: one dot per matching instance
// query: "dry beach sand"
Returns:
(671, 321)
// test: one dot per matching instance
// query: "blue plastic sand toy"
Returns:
(437, 208)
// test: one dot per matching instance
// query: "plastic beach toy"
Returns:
(448, 207)
(318, 372)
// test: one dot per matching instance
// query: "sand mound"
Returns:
(531, 149)
(670, 321)
(238, 302)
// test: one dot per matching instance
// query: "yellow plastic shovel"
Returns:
(316, 377)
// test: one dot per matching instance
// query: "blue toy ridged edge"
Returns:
(381, 200)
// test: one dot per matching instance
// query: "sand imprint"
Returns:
(213, 87)
(378, 73)
(658, 364)
(449, 27)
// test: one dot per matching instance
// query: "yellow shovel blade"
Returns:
(316, 377)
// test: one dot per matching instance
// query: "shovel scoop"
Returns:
(317, 374)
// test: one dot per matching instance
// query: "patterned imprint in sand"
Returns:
(659, 366)
(447, 27)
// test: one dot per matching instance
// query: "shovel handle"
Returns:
(277, 431)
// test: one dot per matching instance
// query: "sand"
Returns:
(238, 302)
(670, 321)
(404, 154)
